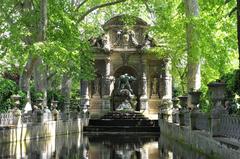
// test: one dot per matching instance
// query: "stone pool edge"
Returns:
(197, 140)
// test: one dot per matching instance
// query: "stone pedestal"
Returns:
(194, 99)
(175, 110)
(183, 109)
(217, 96)
(165, 110)
(106, 106)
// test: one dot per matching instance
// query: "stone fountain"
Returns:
(124, 118)
(124, 93)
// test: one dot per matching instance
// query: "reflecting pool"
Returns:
(96, 146)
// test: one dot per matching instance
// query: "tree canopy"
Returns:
(71, 23)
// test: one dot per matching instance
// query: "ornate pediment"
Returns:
(121, 36)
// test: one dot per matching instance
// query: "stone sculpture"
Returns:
(125, 92)
(124, 37)
(124, 83)
(101, 42)
(154, 86)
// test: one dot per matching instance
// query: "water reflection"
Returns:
(80, 146)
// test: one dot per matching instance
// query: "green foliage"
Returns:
(7, 88)
(35, 95)
(55, 95)
(233, 83)
(205, 104)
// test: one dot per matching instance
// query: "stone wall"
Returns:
(27, 131)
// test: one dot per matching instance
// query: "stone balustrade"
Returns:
(230, 126)
(34, 126)
(9, 119)
(216, 132)
(203, 121)
(218, 123)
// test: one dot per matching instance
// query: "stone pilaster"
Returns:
(84, 94)
(166, 79)
(106, 86)
(166, 105)
(144, 97)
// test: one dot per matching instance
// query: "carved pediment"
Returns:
(119, 35)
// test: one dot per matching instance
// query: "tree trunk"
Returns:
(43, 21)
(40, 69)
(25, 77)
(193, 62)
(27, 73)
(40, 79)
(66, 87)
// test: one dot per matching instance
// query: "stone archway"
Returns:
(134, 85)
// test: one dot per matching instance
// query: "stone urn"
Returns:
(183, 109)
(183, 101)
(217, 90)
(16, 100)
(195, 97)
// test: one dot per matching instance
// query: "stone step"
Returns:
(123, 115)
(122, 122)
(121, 129)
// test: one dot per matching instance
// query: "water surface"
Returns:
(95, 146)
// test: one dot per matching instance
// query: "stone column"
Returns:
(217, 96)
(166, 90)
(106, 106)
(166, 79)
(84, 103)
(144, 97)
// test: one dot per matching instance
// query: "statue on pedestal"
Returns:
(154, 87)
(96, 87)
(125, 92)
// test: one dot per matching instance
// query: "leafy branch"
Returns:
(98, 7)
